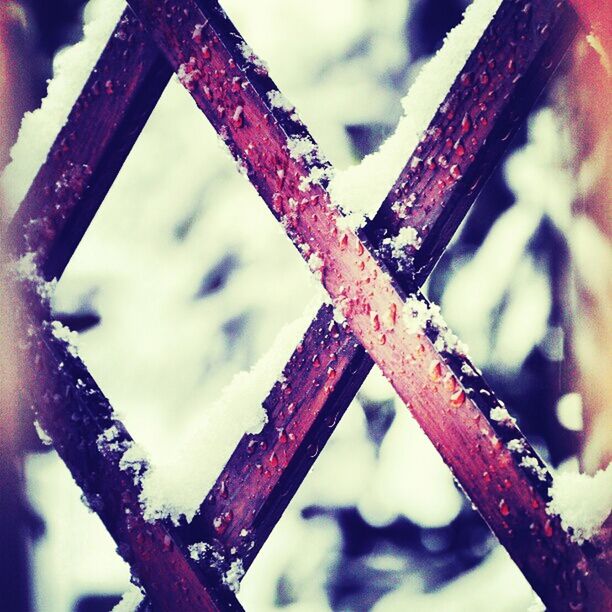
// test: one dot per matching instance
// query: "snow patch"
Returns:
(234, 575)
(316, 265)
(25, 269)
(583, 502)
(68, 336)
(501, 415)
(112, 440)
(417, 314)
(250, 56)
(517, 445)
(173, 488)
(130, 601)
(360, 189)
(278, 100)
(533, 465)
(301, 148)
(406, 237)
(39, 128)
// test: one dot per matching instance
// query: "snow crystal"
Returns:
(406, 237)
(448, 341)
(532, 464)
(200, 550)
(42, 434)
(111, 440)
(501, 415)
(134, 460)
(70, 337)
(360, 189)
(517, 445)
(203, 551)
(318, 176)
(316, 265)
(109, 434)
(583, 502)
(417, 313)
(25, 268)
(467, 369)
(39, 128)
(130, 601)
(234, 575)
(188, 74)
(277, 100)
(301, 148)
(251, 57)
(173, 488)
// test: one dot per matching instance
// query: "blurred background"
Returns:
(184, 279)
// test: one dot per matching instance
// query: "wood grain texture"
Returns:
(85, 158)
(327, 369)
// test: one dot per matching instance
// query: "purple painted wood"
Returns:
(339, 373)
(70, 186)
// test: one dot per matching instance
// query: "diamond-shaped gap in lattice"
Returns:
(199, 302)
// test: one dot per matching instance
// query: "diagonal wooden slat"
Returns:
(257, 133)
(111, 110)
(303, 411)
(72, 410)
(52, 248)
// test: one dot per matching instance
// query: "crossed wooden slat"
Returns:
(505, 72)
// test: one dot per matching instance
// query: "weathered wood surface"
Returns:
(74, 413)
(65, 195)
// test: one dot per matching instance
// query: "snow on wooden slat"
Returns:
(112, 108)
(39, 128)
(91, 146)
(265, 470)
(72, 411)
(233, 90)
(361, 188)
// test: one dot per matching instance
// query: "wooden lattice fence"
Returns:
(489, 456)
